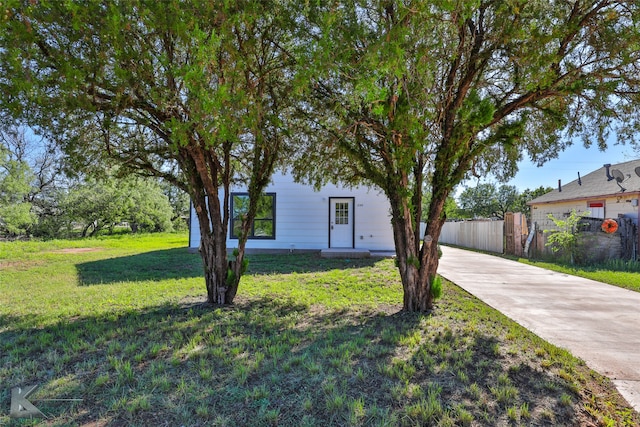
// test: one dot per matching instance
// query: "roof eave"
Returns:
(578, 199)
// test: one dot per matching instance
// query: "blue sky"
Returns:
(569, 162)
(574, 159)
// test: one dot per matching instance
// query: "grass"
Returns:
(120, 323)
(619, 273)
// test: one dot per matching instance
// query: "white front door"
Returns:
(341, 222)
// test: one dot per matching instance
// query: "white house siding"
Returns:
(302, 218)
(613, 208)
(622, 206)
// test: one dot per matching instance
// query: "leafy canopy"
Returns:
(487, 200)
(461, 88)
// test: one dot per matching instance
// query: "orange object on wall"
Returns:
(609, 226)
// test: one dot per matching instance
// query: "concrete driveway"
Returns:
(596, 322)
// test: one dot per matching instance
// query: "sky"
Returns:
(574, 159)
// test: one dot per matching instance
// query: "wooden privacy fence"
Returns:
(484, 235)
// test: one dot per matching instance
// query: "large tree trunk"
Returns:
(221, 283)
(216, 271)
(222, 272)
(417, 268)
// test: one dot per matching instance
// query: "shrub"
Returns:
(436, 287)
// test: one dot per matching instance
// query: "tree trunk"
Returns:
(417, 269)
(220, 281)
(85, 230)
(216, 271)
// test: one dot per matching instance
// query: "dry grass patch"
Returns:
(77, 250)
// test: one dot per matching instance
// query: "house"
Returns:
(295, 217)
(609, 192)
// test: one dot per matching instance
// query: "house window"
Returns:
(342, 213)
(596, 209)
(264, 224)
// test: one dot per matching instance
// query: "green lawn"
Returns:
(617, 273)
(120, 323)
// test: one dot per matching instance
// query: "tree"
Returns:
(192, 92)
(93, 205)
(505, 199)
(486, 200)
(479, 201)
(179, 201)
(148, 207)
(46, 178)
(435, 91)
(97, 204)
(15, 185)
(528, 195)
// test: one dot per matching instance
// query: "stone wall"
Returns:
(596, 246)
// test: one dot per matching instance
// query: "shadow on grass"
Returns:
(303, 263)
(260, 362)
(180, 263)
(155, 266)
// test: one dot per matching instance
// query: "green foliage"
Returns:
(98, 204)
(565, 238)
(436, 287)
(196, 93)
(16, 219)
(231, 277)
(44, 186)
(179, 201)
(486, 200)
(479, 201)
(147, 208)
(15, 186)
(396, 94)
(414, 261)
(405, 94)
(528, 195)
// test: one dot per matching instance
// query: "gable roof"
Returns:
(596, 184)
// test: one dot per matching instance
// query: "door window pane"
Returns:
(342, 213)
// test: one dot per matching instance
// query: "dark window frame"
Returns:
(252, 235)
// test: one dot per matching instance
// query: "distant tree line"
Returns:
(39, 197)
(487, 200)
(490, 200)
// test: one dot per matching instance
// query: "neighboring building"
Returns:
(296, 217)
(609, 192)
